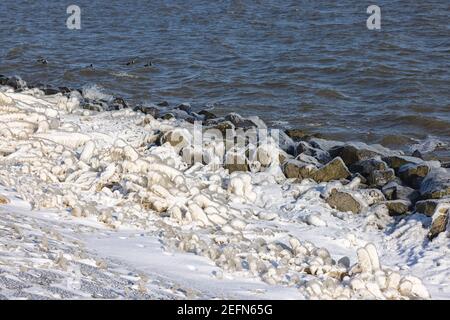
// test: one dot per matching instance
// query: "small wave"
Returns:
(280, 123)
(123, 74)
(330, 93)
(95, 92)
(428, 145)
(426, 122)
(16, 51)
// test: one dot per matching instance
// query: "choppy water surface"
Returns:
(303, 64)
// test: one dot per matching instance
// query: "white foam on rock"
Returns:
(100, 166)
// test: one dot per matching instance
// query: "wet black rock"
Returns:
(3, 80)
(240, 122)
(163, 104)
(224, 127)
(151, 110)
(65, 90)
(186, 107)
(351, 154)
(207, 115)
(190, 119)
(50, 91)
(306, 148)
(413, 174)
(118, 103)
(395, 191)
(168, 116)
(296, 134)
(95, 105)
(365, 167)
(395, 162)
(436, 184)
(16, 83)
(378, 178)
(417, 154)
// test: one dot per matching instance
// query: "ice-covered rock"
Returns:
(436, 184)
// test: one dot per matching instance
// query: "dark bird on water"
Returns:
(42, 61)
(149, 64)
(131, 62)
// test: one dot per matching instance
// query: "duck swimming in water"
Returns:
(42, 61)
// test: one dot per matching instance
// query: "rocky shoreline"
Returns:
(401, 183)
(54, 163)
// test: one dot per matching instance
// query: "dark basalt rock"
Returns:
(360, 176)
(207, 115)
(16, 83)
(395, 162)
(163, 104)
(304, 147)
(395, 191)
(168, 116)
(350, 154)
(50, 91)
(95, 105)
(223, 127)
(436, 184)
(379, 178)
(240, 122)
(296, 134)
(65, 90)
(118, 103)
(151, 110)
(186, 107)
(300, 135)
(417, 154)
(413, 174)
(190, 119)
(3, 80)
(365, 167)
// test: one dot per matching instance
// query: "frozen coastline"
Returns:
(304, 218)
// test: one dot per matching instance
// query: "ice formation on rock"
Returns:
(56, 156)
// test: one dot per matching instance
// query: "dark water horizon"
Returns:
(297, 64)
